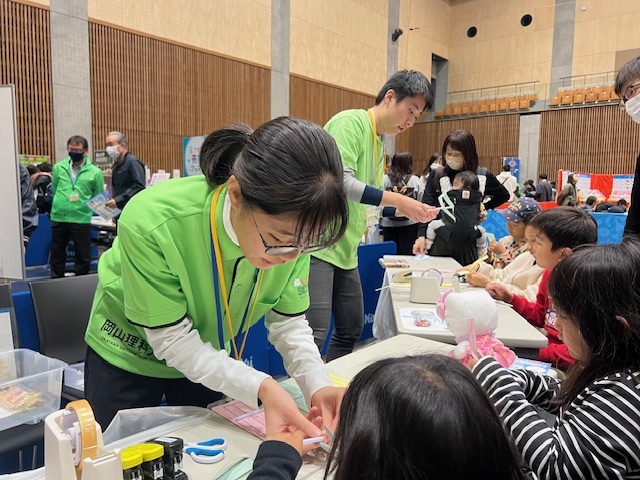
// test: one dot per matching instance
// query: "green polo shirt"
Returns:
(353, 132)
(159, 270)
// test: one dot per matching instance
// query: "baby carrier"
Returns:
(457, 238)
(460, 222)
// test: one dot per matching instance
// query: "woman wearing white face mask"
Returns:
(459, 152)
(628, 88)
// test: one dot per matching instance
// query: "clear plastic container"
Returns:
(30, 387)
(74, 376)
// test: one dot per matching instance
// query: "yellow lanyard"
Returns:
(217, 258)
(377, 176)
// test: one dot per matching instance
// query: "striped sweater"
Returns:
(596, 437)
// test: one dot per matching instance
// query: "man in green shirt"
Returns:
(334, 282)
(75, 180)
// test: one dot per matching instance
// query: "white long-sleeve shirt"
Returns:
(521, 277)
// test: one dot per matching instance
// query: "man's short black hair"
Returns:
(542, 176)
(506, 168)
(408, 83)
(78, 140)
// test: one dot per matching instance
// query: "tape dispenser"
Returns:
(73, 446)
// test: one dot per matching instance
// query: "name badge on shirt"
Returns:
(74, 197)
(372, 216)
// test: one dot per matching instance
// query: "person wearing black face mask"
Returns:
(627, 87)
(75, 180)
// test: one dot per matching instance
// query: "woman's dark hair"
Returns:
(597, 288)
(288, 166)
(463, 142)
(571, 179)
(423, 417)
(529, 182)
(31, 168)
(435, 158)
(401, 166)
(629, 73)
(566, 227)
(468, 180)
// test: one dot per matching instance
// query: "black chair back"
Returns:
(62, 307)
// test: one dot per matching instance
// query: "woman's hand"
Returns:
(293, 436)
(418, 245)
(281, 411)
(328, 401)
(498, 291)
(477, 279)
(497, 248)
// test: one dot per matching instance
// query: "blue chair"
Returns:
(15, 442)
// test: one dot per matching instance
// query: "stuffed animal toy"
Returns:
(472, 317)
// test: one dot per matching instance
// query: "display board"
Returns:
(11, 254)
(605, 187)
(191, 155)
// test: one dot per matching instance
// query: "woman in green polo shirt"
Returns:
(198, 260)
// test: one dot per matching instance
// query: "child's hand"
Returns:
(477, 279)
(291, 438)
(499, 292)
(294, 437)
(497, 248)
(471, 362)
(418, 246)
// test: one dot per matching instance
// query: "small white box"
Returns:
(30, 387)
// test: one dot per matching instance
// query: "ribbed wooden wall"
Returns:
(25, 61)
(156, 93)
(496, 137)
(319, 102)
(599, 139)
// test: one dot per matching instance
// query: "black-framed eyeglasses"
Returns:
(629, 93)
(283, 249)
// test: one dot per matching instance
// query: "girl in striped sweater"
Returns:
(596, 293)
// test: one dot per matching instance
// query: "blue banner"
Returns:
(514, 163)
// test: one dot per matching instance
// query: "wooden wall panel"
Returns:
(156, 93)
(318, 102)
(25, 61)
(496, 136)
(599, 139)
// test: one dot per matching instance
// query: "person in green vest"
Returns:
(199, 260)
(334, 282)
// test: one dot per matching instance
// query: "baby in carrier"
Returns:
(462, 210)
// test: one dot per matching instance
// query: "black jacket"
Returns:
(29, 208)
(127, 179)
(633, 215)
(493, 189)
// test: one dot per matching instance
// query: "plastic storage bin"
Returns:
(74, 376)
(30, 387)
